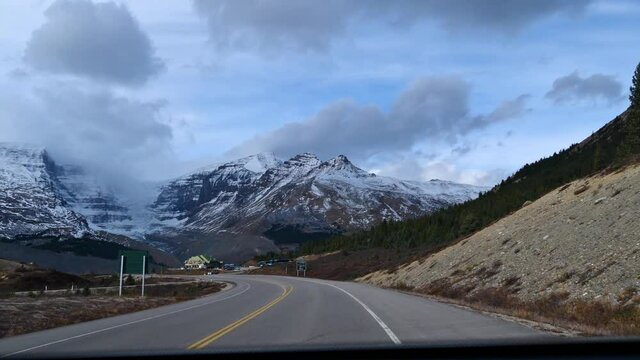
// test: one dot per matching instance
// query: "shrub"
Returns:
(129, 280)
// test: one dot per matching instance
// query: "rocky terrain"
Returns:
(581, 240)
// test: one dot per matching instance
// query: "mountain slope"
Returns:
(102, 209)
(581, 239)
(30, 200)
(297, 198)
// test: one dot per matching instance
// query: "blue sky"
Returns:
(460, 90)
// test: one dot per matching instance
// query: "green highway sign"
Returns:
(133, 260)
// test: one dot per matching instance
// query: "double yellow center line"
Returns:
(234, 325)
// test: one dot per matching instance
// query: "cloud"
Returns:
(504, 16)
(295, 24)
(412, 169)
(573, 88)
(110, 135)
(101, 41)
(430, 109)
(311, 25)
(18, 74)
(507, 110)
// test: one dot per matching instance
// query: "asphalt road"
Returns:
(272, 311)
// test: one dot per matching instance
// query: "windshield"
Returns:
(184, 176)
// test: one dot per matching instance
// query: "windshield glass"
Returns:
(276, 174)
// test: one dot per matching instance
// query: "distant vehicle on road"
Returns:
(229, 267)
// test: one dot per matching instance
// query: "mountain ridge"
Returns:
(253, 196)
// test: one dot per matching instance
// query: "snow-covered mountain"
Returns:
(285, 200)
(38, 196)
(103, 207)
(246, 203)
(30, 198)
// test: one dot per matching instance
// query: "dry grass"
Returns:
(22, 315)
(590, 317)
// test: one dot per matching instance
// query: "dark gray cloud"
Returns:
(430, 109)
(312, 25)
(18, 74)
(462, 149)
(503, 16)
(296, 24)
(507, 110)
(111, 135)
(573, 87)
(101, 41)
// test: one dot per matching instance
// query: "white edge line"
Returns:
(125, 324)
(384, 326)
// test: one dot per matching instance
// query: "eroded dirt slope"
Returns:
(582, 239)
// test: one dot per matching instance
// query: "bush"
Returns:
(129, 280)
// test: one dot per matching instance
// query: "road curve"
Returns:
(272, 311)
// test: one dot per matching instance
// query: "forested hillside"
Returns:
(615, 144)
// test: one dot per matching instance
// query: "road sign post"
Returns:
(133, 262)
(301, 265)
(121, 272)
(144, 265)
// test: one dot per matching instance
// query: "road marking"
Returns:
(126, 324)
(384, 326)
(236, 324)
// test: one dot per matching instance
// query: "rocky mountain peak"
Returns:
(305, 158)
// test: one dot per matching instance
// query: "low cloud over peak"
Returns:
(109, 134)
(102, 41)
(430, 109)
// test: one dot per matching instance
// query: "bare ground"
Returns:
(22, 315)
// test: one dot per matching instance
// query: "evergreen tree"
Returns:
(631, 141)
(632, 131)
(597, 158)
(634, 90)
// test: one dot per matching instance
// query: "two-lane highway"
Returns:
(272, 311)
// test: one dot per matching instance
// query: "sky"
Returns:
(460, 90)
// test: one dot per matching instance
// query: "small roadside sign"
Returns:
(301, 267)
(133, 262)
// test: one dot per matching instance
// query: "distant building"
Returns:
(201, 262)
